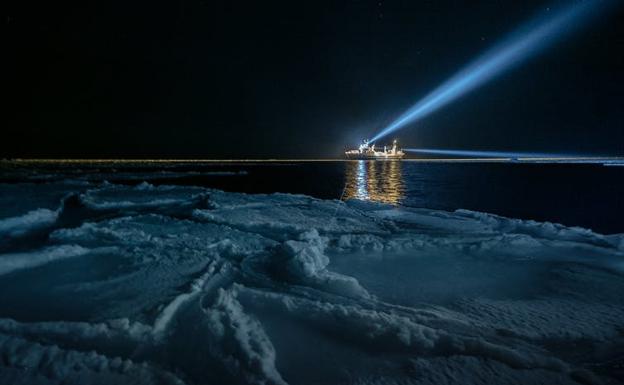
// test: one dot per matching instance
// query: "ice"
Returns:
(10, 263)
(32, 220)
(34, 363)
(239, 341)
(105, 283)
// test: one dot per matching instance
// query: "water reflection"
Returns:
(379, 181)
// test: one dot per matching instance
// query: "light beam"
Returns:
(519, 46)
(488, 154)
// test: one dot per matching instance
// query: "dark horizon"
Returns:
(220, 81)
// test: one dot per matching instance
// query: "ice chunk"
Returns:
(303, 262)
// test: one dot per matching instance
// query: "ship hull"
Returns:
(374, 157)
(368, 152)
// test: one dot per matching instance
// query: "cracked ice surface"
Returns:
(153, 285)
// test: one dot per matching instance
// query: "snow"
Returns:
(170, 284)
(17, 261)
(16, 226)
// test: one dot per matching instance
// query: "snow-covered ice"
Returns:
(104, 283)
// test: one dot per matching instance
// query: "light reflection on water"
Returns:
(378, 181)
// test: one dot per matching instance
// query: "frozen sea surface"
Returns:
(103, 283)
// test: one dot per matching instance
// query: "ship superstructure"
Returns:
(368, 151)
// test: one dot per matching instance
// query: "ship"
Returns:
(367, 151)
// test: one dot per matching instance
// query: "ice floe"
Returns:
(168, 284)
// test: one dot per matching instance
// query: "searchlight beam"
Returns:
(519, 46)
(487, 154)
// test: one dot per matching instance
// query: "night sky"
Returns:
(226, 79)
